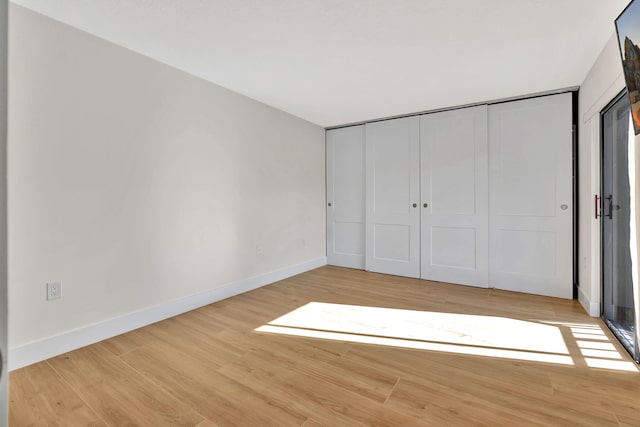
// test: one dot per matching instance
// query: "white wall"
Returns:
(135, 184)
(3, 213)
(602, 84)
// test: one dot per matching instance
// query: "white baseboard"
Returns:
(592, 308)
(52, 346)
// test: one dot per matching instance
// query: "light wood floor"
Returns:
(394, 351)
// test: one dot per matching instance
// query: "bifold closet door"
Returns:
(392, 197)
(454, 202)
(530, 187)
(345, 197)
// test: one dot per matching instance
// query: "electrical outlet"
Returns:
(54, 290)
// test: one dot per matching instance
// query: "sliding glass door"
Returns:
(617, 206)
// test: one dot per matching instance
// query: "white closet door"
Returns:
(530, 219)
(392, 213)
(454, 202)
(345, 197)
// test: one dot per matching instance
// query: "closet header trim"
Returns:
(458, 107)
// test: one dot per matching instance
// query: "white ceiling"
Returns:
(340, 61)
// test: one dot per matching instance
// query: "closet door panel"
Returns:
(531, 216)
(392, 197)
(345, 197)
(454, 218)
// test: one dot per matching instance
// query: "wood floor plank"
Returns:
(121, 344)
(219, 366)
(628, 420)
(323, 401)
(214, 395)
(120, 395)
(438, 405)
(412, 364)
(168, 335)
(40, 397)
(302, 357)
(207, 423)
(525, 388)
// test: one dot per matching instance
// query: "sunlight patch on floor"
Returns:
(597, 345)
(468, 334)
(598, 351)
(600, 337)
(420, 345)
(448, 332)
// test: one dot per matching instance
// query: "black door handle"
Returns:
(610, 199)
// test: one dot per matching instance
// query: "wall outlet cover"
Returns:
(54, 290)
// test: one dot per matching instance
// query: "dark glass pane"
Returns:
(618, 299)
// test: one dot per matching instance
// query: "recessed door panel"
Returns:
(392, 214)
(456, 247)
(453, 150)
(345, 197)
(392, 242)
(348, 238)
(390, 158)
(536, 254)
(530, 187)
(451, 163)
(526, 183)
